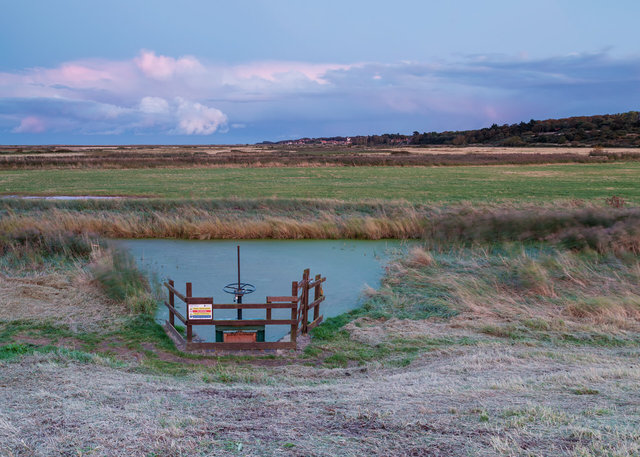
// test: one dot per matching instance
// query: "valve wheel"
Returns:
(242, 288)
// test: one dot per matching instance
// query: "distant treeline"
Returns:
(609, 130)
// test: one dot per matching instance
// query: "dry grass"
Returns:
(62, 298)
(522, 289)
(18, 157)
(573, 224)
(490, 401)
(193, 223)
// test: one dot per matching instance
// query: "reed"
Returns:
(522, 290)
(582, 227)
(30, 249)
(122, 281)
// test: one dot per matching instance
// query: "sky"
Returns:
(203, 72)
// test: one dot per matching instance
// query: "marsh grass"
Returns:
(586, 226)
(543, 288)
(526, 293)
(122, 281)
(278, 156)
(31, 249)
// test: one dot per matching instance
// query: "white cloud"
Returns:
(154, 105)
(197, 119)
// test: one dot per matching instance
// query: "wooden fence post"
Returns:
(189, 331)
(172, 302)
(316, 294)
(294, 315)
(305, 301)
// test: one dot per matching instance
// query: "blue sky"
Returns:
(120, 72)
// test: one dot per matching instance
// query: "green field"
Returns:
(533, 183)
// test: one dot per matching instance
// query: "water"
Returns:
(270, 265)
(61, 197)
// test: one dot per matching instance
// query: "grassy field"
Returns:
(513, 330)
(534, 183)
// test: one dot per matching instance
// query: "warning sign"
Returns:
(200, 312)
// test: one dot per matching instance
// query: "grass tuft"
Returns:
(117, 273)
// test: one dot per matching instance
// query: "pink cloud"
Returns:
(272, 71)
(163, 67)
(78, 74)
(30, 124)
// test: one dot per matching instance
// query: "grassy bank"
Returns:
(534, 183)
(571, 224)
(497, 349)
(534, 294)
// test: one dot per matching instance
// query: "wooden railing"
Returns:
(202, 310)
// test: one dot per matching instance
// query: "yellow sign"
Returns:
(200, 312)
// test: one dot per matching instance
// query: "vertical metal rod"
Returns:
(239, 297)
(238, 266)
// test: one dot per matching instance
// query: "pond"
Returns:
(270, 265)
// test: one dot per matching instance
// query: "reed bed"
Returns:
(531, 287)
(573, 225)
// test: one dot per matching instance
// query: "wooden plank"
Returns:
(200, 322)
(317, 293)
(305, 301)
(317, 282)
(199, 300)
(294, 312)
(189, 328)
(315, 323)
(176, 293)
(240, 323)
(316, 302)
(173, 304)
(175, 311)
(253, 305)
(287, 299)
(174, 332)
(268, 313)
(238, 346)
